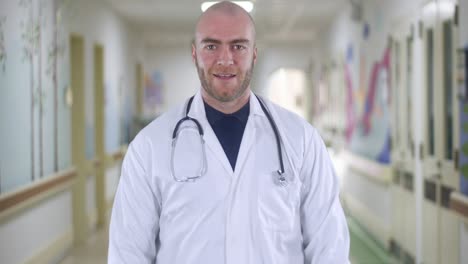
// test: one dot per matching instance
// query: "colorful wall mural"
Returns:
(367, 105)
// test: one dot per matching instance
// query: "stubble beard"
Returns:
(211, 90)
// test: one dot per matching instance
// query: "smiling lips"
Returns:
(224, 76)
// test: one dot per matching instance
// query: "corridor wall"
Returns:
(40, 229)
(421, 230)
(180, 78)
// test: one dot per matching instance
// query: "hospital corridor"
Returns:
(384, 83)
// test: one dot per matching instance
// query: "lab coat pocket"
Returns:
(277, 205)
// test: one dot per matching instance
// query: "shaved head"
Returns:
(224, 53)
(226, 8)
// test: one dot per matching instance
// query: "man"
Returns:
(227, 203)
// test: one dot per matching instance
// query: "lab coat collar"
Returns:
(197, 110)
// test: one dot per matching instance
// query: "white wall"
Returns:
(274, 56)
(98, 24)
(383, 16)
(37, 229)
(180, 78)
(287, 88)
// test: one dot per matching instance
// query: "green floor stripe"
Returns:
(364, 249)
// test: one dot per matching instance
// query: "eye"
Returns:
(210, 47)
(238, 47)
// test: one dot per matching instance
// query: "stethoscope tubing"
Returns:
(275, 130)
(281, 179)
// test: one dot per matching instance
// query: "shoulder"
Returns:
(298, 134)
(159, 130)
(290, 123)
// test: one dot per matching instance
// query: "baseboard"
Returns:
(373, 224)
(53, 252)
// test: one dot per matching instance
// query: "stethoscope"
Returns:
(280, 180)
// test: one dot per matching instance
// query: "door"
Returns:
(80, 221)
(99, 134)
(441, 144)
(403, 147)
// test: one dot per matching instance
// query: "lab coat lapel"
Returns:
(246, 144)
(250, 132)
(197, 111)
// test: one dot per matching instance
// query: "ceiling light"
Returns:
(247, 5)
(443, 8)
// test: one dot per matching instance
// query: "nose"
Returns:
(225, 57)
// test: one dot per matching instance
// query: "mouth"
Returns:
(224, 76)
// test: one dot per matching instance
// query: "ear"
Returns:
(255, 55)
(194, 52)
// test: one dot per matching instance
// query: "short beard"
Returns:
(224, 99)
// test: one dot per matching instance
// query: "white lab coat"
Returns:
(239, 217)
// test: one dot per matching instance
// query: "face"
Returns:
(224, 53)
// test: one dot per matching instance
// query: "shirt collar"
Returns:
(197, 110)
(214, 115)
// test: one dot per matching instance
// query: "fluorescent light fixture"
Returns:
(443, 8)
(247, 5)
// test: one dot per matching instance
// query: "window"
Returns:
(430, 89)
(448, 87)
(409, 77)
(397, 85)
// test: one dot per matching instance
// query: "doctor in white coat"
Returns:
(235, 187)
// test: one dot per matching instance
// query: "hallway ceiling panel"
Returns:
(169, 22)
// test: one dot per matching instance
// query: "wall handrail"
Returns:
(373, 170)
(459, 204)
(116, 156)
(15, 199)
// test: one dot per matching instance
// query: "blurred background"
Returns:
(383, 81)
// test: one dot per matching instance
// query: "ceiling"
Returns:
(170, 22)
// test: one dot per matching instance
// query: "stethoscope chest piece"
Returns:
(280, 179)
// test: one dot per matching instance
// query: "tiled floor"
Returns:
(93, 252)
(95, 249)
(364, 250)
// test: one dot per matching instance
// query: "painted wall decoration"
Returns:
(153, 93)
(30, 37)
(367, 107)
(463, 84)
(32, 79)
(56, 52)
(2, 44)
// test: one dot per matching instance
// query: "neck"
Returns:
(227, 107)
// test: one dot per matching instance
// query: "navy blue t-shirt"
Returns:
(229, 129)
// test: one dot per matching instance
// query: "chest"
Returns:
(222, 195)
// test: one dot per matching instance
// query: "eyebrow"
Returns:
(216, 41)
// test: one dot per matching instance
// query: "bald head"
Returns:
(224, 53)
(228, 10)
